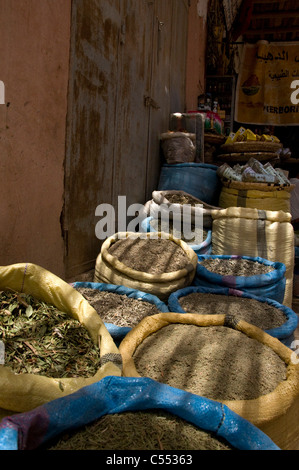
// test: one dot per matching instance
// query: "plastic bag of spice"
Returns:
(118, 331)
(258, 276)
(117, 395)
(274, 318)
(21, 392)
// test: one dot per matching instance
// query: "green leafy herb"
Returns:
(40, 339)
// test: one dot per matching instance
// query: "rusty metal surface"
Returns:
(127, 74)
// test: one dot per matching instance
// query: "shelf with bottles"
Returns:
(220, 95)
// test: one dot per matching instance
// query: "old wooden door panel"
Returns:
(132, 119)
(126, 75)
(168, 77)
(178, 55)
(91, 131)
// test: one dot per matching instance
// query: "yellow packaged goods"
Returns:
(266, 138)
(247, 135)
(240, 135)
(23, 391)
(250, 136)
(230, 138)
(254, 232)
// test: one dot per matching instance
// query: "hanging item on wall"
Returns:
(231, 9)
(268, 85)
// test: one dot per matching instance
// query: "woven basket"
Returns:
(238, 147)
(245, 156)
(241, 185)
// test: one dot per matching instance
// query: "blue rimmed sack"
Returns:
(198, 179)
(119, 332)
(270, 285)
(111, 395)
(285, 332)
(200, 249)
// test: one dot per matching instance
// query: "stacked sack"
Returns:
(254, 232)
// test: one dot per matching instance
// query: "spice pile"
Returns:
(42, 340)
(216, 362)
(141, 430)
(195, 235)
(176, 198)
(150, 255)
(118, 309)
(235, 266)
(260, 314)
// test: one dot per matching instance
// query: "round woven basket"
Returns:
(245, 156)
(242, 185)
(238, 147)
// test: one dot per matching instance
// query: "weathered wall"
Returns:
(34, 58)
(195, 71)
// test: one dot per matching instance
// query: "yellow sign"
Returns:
(268, 85)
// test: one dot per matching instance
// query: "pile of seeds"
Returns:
(118, 309)
(260, 314)
(150, 255)
(216, 362)
(178, 198)
(141, 430)
(42, 340)
(195, 235)
(235, 266)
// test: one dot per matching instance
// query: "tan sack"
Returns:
(275, 413)
(253, 232)
(110, 270)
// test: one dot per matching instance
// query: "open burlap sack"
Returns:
(275, 413)
(110, 270)
(253, 232)
(23, 392)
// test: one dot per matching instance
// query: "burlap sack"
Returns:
(275, 413)
(23, 392)
(253, 232)
(110, 270)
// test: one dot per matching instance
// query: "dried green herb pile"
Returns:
(140, 430)
(40, 339)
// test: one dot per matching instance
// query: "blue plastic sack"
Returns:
(269, 285)
(111, 395)
(198, 179)
(285, 332)
(203, 248)
(119, 332)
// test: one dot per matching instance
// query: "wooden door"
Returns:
(127, 73)
(168, 77)
(92, 103)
